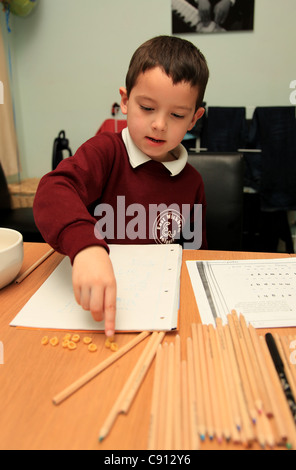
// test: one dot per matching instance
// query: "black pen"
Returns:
(278, 363)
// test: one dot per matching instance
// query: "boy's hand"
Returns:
(94, 285)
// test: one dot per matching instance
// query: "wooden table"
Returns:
(32, 374)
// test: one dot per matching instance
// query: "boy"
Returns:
(143, 167)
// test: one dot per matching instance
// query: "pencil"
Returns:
(141, 369)
(229, 381)
(199, 392)
(163, 399)
(230, 429)
(57, 399)
(154, 412)
(23, 276)
(242, 368)
(177, 395)
(249, 367)
(226, 411)
(194, 439)
(117, 406)
(219, 386)
(253, 360)
(268, 431)
(246, 428)
(217, 419)
(263, 371)
(169, 433)
(209, 420)
(185, 407)
(260, 430)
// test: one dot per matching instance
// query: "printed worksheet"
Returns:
(264, 291)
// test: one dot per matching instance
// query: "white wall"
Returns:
(70, 57)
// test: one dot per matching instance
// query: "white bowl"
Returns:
(11, 255)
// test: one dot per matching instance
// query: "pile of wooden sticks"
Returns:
(226, 388)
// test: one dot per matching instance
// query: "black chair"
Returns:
(223, 175)
(21, 219)
(273, 132)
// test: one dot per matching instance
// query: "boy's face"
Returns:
(159, 113)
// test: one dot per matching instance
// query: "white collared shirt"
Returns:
(137, 157)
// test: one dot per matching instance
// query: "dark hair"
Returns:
(179, 59)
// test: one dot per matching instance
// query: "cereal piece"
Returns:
(54, 341)
(72, 345)
(67, 337)
(75, 338)
(108, 343)
(65, 343)
(45, 340)
(87, 340)
(92, 347)
(114, 346)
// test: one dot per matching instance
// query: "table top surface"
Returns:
(31, 374)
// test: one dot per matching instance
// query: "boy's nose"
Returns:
(159, 123)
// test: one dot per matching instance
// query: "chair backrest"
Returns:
(223, 175)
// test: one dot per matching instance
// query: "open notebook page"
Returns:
(148, 286)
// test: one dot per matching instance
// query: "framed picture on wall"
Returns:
(212, 16)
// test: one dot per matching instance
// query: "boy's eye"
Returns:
(146, 108)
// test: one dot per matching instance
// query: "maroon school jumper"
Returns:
(100, 176)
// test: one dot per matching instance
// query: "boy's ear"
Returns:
(124, 99)
(197, 115)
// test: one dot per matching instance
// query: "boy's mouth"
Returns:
(156, 141)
